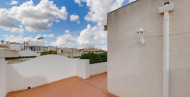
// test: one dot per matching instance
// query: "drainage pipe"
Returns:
(166, 9)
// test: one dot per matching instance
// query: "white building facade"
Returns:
(16, 46)
(136, 70)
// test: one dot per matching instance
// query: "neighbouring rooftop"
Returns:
(93, 50)
(4, 46)
(95, 86)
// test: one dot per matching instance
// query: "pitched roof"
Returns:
(4, 46)
(92, 50)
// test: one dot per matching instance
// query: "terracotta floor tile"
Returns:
(95, 86)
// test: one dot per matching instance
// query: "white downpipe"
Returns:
(166, 55)
(166, 9)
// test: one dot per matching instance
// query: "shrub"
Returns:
(47, 53)
(95, 58)
(103, 55)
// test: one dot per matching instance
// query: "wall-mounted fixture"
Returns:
(167, 3)
(141, 36)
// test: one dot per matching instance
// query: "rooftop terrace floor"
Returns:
(95, 86)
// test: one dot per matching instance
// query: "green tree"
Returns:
(95, 58)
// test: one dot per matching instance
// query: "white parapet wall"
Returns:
(82, 68)
(97, 68)
(39, 71)
(47, 69)
(3, 78)
(7, 53)
(28, 52)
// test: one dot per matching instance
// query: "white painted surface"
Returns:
(137, 71)
(82, 68)
(17, 47)
(97, 68)
(166, 56)
(8, 53)
(28, 52)
(41, 70)
(9, 76)
(166, 9)
(49, 68)
(36, 43)
(3, 78)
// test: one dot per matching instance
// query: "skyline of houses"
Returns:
(36, 48)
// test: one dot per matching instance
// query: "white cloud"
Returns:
(35, 17)
(30, 39)
(66, 40)
(9, 23)
(92, 36)
(78, 22)
(131, 1)
(14, 2)
(36, 25)
(48, 35)
(21, 38)
(74, 18)
(39, 17)
(67, 31)
(78, 2)
(99, 9)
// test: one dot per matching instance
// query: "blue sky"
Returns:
(26, 20)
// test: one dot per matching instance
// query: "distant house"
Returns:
(92, 50)
(70, 52)
(67, 52)
(28, 52)
(4, 47)
(51, 48)
(33, 46)
(15, 46)
(38, 49)
(6, 52)
(36, 46)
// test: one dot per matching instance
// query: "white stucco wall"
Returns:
(82, 68)
(28, 52)
(49, 68)
(37, 43)
(3, 78)
(17, 47)
(8, 53)
(137, 71)
(41, 70)
(97, 68)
